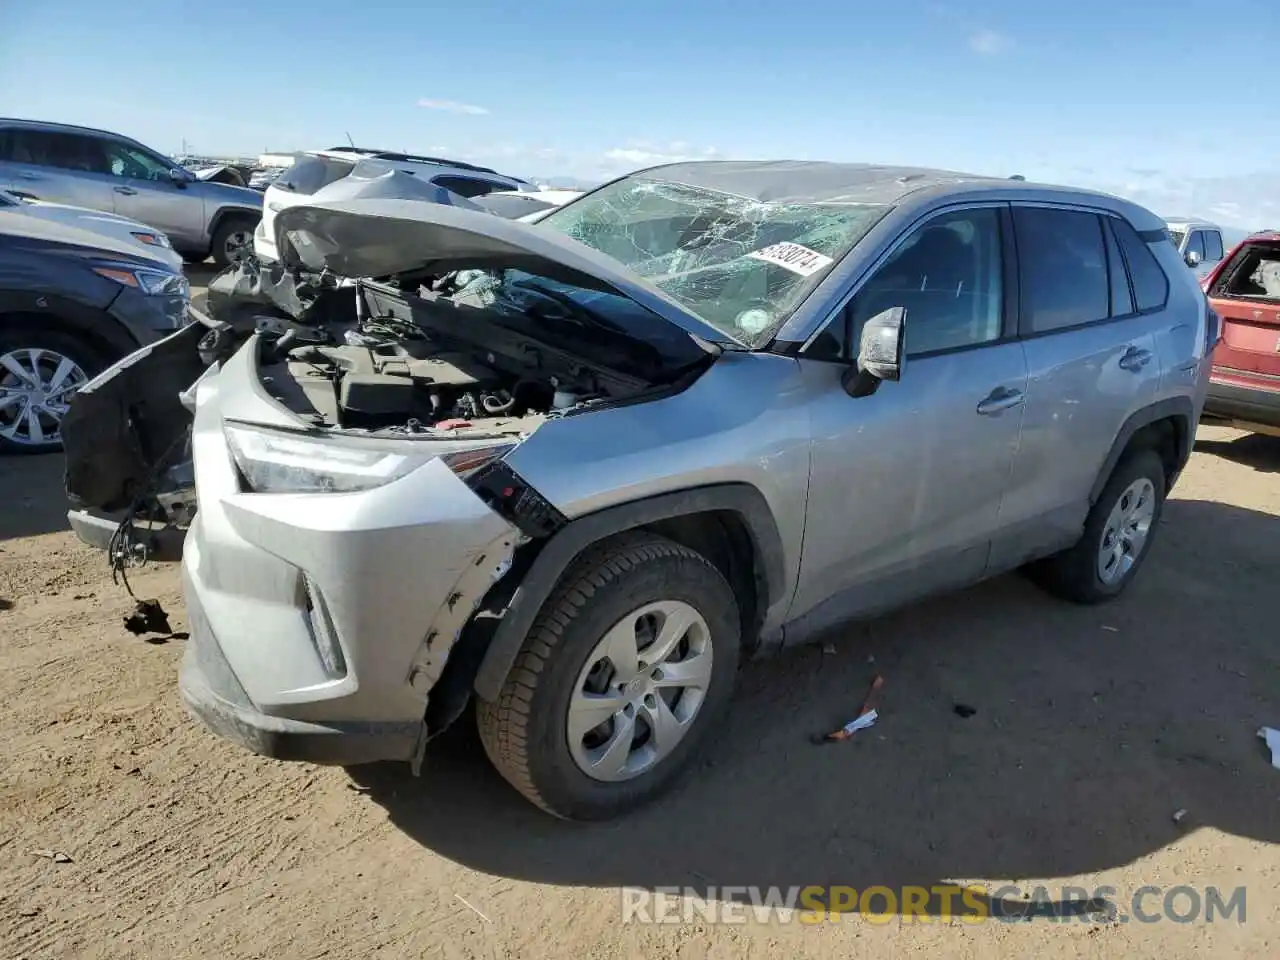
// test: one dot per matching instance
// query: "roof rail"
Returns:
(417, 158)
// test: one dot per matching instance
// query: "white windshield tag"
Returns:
(792, 256)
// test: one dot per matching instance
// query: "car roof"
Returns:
(56, 127)
(1190, 223)
(815, 181)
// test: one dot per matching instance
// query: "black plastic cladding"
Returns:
(506, 493)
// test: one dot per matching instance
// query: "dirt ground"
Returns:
(1092, 728)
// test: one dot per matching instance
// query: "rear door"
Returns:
(1246, 295)
(1093, 360)
(57, 167)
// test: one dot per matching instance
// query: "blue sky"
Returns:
(1140, 98)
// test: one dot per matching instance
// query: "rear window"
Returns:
(1253, 273)
(309, 173)
(467, 186)
(1150, 285)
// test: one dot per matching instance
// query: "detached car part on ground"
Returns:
(577, 471)
(78, 291)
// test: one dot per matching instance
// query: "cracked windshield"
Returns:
(741, 265)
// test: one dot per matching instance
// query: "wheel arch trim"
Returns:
(563, 547)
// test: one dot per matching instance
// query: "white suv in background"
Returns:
(1198, 242)
(315, 169)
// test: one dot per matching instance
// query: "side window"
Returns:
(1063, 263)
(1121, 295)
(64, 151)
(1196, 243)
(465, 186)
(1212, 246)
(126, 160)
(949, 277)
(1150, 285)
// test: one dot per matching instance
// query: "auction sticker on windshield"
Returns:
(792, 256)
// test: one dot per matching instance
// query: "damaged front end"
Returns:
(126, 437)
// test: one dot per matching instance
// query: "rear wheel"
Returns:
(627, 667)
(232, 241)
(40, 370)
(1117, 535)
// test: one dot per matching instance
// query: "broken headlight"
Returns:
(273, 461)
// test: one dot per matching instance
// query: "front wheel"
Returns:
(627, 667)
(40, 370)
(232, 242)
(1117, 535)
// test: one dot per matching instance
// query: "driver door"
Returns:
(145, 191)
(906, 484)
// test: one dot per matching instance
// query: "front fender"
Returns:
(567, 543)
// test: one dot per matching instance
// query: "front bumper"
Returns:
(148, 318)
(321, 617)
(213, 695)
(1244, 406)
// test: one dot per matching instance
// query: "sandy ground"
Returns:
(1092, 728)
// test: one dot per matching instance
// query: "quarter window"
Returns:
(1063, 262)
(1121, 296)
(1150, 285)
(948, 275)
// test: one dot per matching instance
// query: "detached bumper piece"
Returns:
(162, 545)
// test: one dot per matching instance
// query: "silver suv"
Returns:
(113, 174)
(1198, 243)
(577, 471)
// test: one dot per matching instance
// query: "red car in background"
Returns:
(1244, 290)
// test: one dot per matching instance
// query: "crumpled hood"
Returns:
(384, 237)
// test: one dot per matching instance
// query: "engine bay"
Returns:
(409, 386)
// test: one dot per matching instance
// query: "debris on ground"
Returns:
(1272, 738)
(964, 710)
(866, 717)
(53, 855)
(828, 648)
(1110, 628)
(148, 617)
(1179, 815)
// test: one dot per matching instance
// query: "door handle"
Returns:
(1134, 359)
(999, 400)
(127, 191)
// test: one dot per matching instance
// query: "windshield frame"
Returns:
(864, 217)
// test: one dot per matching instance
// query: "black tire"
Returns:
(229, 226)
(1073, 573)
(524, 732)
(22, 337)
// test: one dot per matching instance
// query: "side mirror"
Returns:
(179, 176)
(879, 353)
(1192, 258)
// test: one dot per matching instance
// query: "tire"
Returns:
(50, 346)
(526, 732)
(229, 229)
(1076, 574)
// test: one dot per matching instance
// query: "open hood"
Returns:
(384, 237)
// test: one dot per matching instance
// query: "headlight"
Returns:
(152, 282)
(153, 239)
(277, 462)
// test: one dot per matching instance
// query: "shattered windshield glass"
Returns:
(741, 265)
